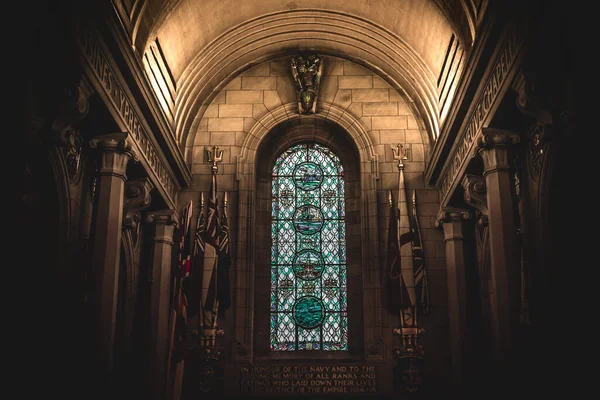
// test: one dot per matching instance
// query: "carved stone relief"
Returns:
(307, 71)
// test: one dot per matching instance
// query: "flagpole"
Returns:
(199, 248)
(215, 156)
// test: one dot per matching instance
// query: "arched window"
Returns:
(308, 252)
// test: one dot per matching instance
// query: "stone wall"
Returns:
(386, 114)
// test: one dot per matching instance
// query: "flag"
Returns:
(210, 303)
(179, 322)
(212, 219)
(194, 292)
(395, 288)
(421, 283)
(224, 262)
(408, 317)
(185, 242)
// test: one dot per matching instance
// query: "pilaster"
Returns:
(451, 219)
(493, 148)
(115, 153)
(164, 224)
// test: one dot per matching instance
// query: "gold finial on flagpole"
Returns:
(400, 155)
(214, 157)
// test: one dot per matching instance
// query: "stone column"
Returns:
(494, 150)
(452, 221)
(115, 153)
(164, 222)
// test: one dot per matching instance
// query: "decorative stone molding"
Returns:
(137, 199)
(116, 151)
(448, 214)
(118, 98)
(475, 195)
(493, 90)
(493, 147)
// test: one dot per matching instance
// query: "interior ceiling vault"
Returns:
(205, 43)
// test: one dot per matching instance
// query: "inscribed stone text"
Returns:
(309, 379)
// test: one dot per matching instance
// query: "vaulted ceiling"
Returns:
(206, 43)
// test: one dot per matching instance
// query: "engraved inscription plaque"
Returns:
(308, 379)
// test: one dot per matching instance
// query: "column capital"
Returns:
(451, 214)
(476, 194)
(493, 146)
(167, 217)
(116, 151)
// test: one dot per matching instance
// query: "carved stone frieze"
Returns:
(111, 84)
(492, 90)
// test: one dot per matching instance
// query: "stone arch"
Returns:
(274, 35)
(285, 113)
(262, 145)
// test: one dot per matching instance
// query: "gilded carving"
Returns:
(307, 71)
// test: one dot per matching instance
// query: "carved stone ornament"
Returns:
(73, 105)
(536, 147)
(530, 101)
(307, 71)
(73, 146)
(476, 195)
(137, 198)
(115, 152)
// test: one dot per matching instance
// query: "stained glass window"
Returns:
(308, 253)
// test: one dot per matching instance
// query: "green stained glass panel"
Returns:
(308, 270)
(308, 312)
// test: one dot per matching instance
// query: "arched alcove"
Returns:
(254, 168)
(277, 141)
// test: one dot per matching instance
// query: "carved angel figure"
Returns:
(306, 71)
